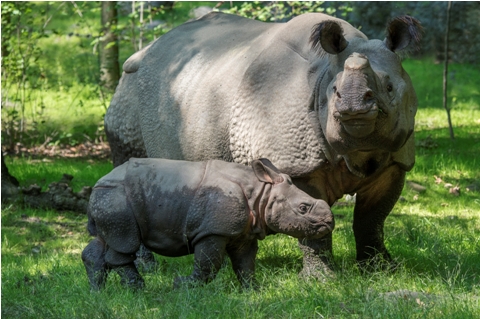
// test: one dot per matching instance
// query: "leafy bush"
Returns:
(278, 11)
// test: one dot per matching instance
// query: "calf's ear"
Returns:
(266, 172)
(403, 32)
(328, 35)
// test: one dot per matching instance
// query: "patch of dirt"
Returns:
(99, 150)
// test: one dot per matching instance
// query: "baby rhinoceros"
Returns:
(208, 209)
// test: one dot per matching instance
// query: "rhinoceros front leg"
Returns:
(209, 255)
(243, 257)
(373, 204)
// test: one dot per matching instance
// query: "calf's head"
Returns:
(367, 101)
(289, 210)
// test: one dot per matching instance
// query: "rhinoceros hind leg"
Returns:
(317, 258)
(93, 257)
(124, 265)
(209, 255)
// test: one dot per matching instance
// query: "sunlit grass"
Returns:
(45, 171)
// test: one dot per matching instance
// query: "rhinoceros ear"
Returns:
(266, 172)
(403, 32)
(328, 35)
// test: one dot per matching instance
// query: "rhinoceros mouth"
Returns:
(358, 125)
(358, 128)
(321, 227)
(321, 231)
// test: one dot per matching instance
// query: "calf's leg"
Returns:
(243, 262)
(209, 254)
(93, 257)
(123, 264)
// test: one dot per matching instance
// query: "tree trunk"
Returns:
(109, 67)
(445, 73)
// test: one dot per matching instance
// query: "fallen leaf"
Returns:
(438, 180)
(416, 187)
(444, 204)
(419, 302)
(455, 191)
(448, 185)
(415, 197)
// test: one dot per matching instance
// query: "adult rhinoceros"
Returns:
(325, 104)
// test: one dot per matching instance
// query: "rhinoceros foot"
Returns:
(379, 262)
(317, 259)
(130, 277)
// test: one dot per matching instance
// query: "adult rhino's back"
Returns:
(188, 94)
(180, 86)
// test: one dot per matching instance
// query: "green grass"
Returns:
(45, 171)
(43, 277)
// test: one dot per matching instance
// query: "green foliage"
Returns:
(50, 67)
(276, 11)
(49, 76)
(21, 72)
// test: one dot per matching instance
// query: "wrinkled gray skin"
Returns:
(208, 209)
(326, 105)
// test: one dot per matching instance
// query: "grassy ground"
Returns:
(434, 235)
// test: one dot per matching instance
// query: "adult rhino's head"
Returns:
(366, 100)
(288, 209)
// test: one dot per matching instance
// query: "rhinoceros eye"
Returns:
(389, 87)
(303, 208)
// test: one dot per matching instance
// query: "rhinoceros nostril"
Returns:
(368, 96)
(335, 91)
